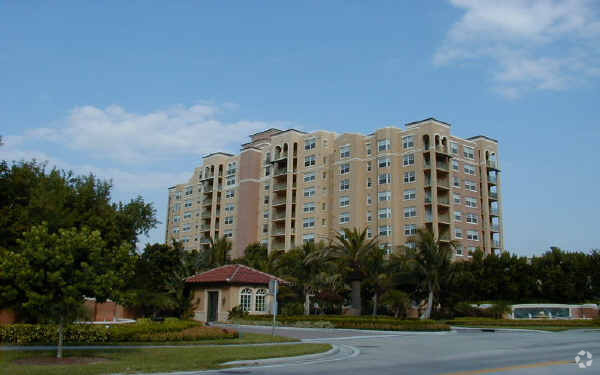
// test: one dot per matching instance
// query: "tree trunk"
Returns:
(306, 302)
(427, 314)
(59, 350)
(375, 304)
(396, 313)
(356, 302)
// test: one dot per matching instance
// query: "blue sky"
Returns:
(139, 91)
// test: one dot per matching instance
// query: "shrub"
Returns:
(237, 312)
(145, 330)
(523, 322)
(499, 309)
(293, 308)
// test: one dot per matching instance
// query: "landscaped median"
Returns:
(534, 324)
(347, 322)
(129, 361)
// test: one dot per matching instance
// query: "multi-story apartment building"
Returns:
(287, 187)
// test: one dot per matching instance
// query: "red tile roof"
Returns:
(233, 274)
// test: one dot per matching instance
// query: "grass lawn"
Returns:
(129, 361)
(538, 328)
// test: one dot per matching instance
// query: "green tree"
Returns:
(350, 251)
(47, 275)
(397, 300)
(219, 252)
(255, 256)
(432, 260)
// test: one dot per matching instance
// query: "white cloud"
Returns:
(531, 44)
(128, 137)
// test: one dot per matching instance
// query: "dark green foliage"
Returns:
(238, 313)
(142, 331)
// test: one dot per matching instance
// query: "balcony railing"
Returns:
(207, 177)
(493, 164)
(204, 228)
(492, 179)
(441, 148)
(445, 237)
(278, 217)
(444, 218)
(278, 232)
(280, 201)
(493, 195)
(207, 202)
(494, 211)
(206, 215)
(442, 166)
(277, 187)
(496, 244)
(428, 218)
(444, 184)
(495, 228)
(280, 172)
(428, 199)
(443, 200)
(208, 189)
(427, 164)
(281, 156)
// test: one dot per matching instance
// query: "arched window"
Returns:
(259, 300)
(246, 299)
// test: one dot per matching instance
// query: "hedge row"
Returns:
(525, 322)
(21, 334)
(356, 322)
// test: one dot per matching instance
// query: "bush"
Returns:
(144, 330)
(293, 308)
(237, 312)
(523, 322)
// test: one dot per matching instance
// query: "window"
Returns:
(471, 202)
(369, 182)
(267, 171)
(385, 230)
(231, 168)
(455, 165)
(410, 212)
(385, 178)
(176, 230)
(369, 233)
(266, 200)
(345, 185)
(369, 167)
(369, 216)
(228, 220)
(469, 153)
(345, 151)
(368, 147)
(369, 200)
(176, 219)
(176, 207)
(178, 195)
(410, 177)
(458, 233)
(309, 144)
(411, 244)
(471, 250)
(387, 247)
(187, 215)
(186, 239)
(457, 216)
(409, 159)
(266, 215)
(472, 235)
(470, 185)
(384, 162)
(470, 169)
(471, 219)
(408, 141)
(459, 250)
(383, 145)
(456, 198)
(188, 203)
(246, 299)
(308, 177)
(345, 168)
(410, 229)
(342, 234)
(228, 233)
(310, 237)
(385, 213)
(267, 187)
(229, 208)
(309, 192)
(259, 300)
(410, 195)
(230, 180)
(229, 193)
(189, 190)
(454, 147)
(265, 228)
(384, 196)
(310, 207)
(186, 227)
(309, 161)
(456, 182)
(345, 218)
(309, 222)
(344, 201)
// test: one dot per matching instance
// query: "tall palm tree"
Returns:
(219, 252)
(351, 250)
(432, 260)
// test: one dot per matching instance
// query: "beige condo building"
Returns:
(287, 187)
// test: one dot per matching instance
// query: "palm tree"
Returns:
(351, 250)
(432, 260)
(219, 250)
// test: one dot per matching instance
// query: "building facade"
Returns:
(287, 187)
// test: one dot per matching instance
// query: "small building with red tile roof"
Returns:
(216, 291)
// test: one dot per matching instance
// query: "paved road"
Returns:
(460, 352)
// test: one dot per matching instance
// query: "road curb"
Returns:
(458, 328)
(335, 349)
(381, 332)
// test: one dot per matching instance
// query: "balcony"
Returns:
(445, 219)
(442, 166)
(493, 195)
(441, 149)
(206, 215)
(279, 187)
(496, 244)
(492, 180)
(493, 164)
(428, 199)
(494, 212)
(443, 184)
(279, 172)
(204, 228)
(444, 237)
(209, 176)
(279, 202)
(427, 164)
(208, 189)
(495, 228)
(428, 218)
(282, 156)
(278, 217)
(205, 241)
(279, 232)
(444, 201)
(428, 183)
(207, 202)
